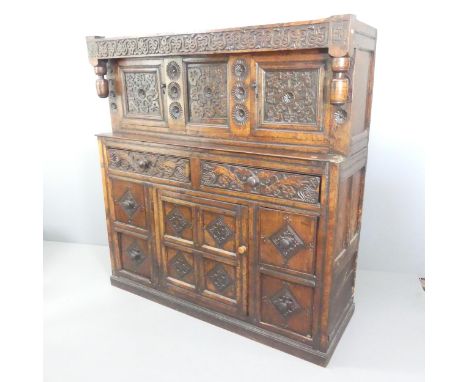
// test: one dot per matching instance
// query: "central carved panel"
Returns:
(142, 91)
(219, 231)
(128, 203)
(207, 92)
(290, 96)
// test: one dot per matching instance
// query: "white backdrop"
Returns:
(392, 236)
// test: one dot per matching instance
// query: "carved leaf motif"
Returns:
(304, 188)
(177, 221)
(291, 96)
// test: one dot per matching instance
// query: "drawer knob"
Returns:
(128, 204)
(135, 254)
(242, 249)
(253, 181)
(143, 163)
(284, 243)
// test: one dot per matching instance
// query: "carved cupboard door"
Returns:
(284, 280)
(203, 253)
(289, 101)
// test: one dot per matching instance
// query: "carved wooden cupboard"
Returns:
(234, 174)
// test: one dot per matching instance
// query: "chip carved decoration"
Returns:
(142, 93)
(220, 278)
(207, 91)
(285, 302)
(303, 188)
(290, 96)
(180, 265)
(157, 165)
(287, 242)
(219, 231)
(307, 36)
(129, 204)
(176, 220)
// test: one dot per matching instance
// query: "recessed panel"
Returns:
(207, 92)
(143, 98)
(286, 306)
(135, 255)
(290, 96)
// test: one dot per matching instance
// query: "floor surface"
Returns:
(96, 332)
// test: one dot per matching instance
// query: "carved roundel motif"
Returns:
(240, 114)
(239, 92)
(175, 110)
(239, 69)
(340, 116)
(173, 70)
(174, 90)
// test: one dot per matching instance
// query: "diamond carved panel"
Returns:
(220, 278)
(287, 242)
(180, 265)
(177, 221)
(285, 303)
(128, 204)
(219, 231)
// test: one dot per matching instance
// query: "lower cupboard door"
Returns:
(286, 306)
(133, 257)
(200, 251)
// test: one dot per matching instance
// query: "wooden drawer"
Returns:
(271, 183)
(150, 164)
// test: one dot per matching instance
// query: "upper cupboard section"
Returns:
(279, 97)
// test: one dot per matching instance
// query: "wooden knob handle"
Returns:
(242, 249)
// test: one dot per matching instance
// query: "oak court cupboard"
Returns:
(234, 174)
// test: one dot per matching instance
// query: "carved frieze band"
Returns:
(157, 165)
(306, 36)
(303, 188)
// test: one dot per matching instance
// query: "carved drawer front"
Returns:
(129, 202)
(287, 240)
(134, 256)
(142, 88)
(150, 164)
(277, 184)
(286, 306)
